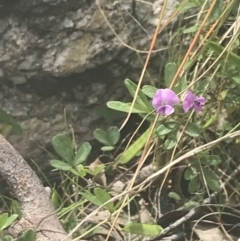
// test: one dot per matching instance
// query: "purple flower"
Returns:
(191, 100)
(164, 100)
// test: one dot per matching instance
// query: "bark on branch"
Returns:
(37, 210)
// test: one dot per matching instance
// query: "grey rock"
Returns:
(59, 38)
(71, 55)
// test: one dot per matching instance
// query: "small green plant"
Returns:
(199, 170)
(100, 197)
(72, 161)
(169, 126)
(143, 229)
(109, 138)
(6, 221)
(162, 101)
(29, 235)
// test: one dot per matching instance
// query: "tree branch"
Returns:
(37, 210)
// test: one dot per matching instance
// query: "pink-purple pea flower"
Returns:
(164, 100)
(193, 101)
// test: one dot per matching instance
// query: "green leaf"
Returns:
(134, 148)
(187, 6)
(60, 165)
(81, 171)
(223, 95)
(109, 138)
(166, 128)
(169, 72)
(188, 64)
(149, 90)
(192, 29)
(231, 57)
(3, 219)
(62, 144)
(174, 195)
(193, 184)
(103, 196)
(170, 143)
(29, 235)
(148, 117)
(55, 198)
(96, 170)
(9, 221)
(91, 198)
(107, 148)
(217, 11)
(143, 229)
(210, 121)
(236, 79)
(101, 136)
(17, 208)
(171, 140)
(212, 179)
(77, 173)
(8, 238)
(190, 173)
(113, 135)
(125, 107)
(82, 153)
(193, 130)
(211, 160)
(16, 129)
(141, 98)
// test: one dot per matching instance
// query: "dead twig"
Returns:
(37, 210)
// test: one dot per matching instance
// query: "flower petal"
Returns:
(157, 99)
(170, 97)
(163, 97)
(165, 110)
(199, 103)
(197, 108)
(168, 110)
(188, 101)
(201, 100)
